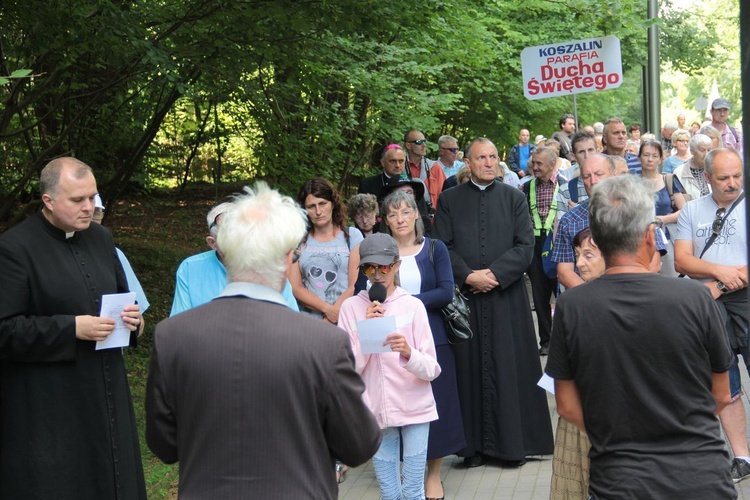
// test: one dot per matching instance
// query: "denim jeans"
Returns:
(735, 383)
(407, 484)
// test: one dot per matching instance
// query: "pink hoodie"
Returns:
(397, 391)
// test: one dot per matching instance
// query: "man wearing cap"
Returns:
(202, 277)
(729, 135)
(488, 231)
(67, 426)
(520, 154)
(448, 147)
(393, 161)
(421, 167)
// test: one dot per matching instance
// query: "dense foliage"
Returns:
(159, 93)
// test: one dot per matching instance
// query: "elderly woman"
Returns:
(680, 140)
(690, 173)
(325, 274)
(562, 163)
(363, 209)
(714, 134)
(427, 274)
(570, 461)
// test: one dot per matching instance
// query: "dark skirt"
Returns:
(447, 432)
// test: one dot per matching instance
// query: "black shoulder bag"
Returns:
(456, 314)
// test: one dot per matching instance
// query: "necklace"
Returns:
(623, 267)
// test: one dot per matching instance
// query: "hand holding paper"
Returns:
(113, 307)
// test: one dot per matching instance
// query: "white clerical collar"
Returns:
(481, 188)
(253, 291)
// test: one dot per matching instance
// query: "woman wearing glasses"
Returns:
(327, 266)
(397, 379)
(669, 196)
(431, 281)
(680, 139)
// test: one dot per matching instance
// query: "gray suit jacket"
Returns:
(255, 401)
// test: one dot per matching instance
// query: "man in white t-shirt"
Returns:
(719, 219)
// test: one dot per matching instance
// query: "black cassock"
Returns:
(505, 413)
(67, 428)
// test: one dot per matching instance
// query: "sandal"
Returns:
(341, 471)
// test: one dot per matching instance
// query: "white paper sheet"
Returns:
(372, 333)
(112, 306)
(547, 383)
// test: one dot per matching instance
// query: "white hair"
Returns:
(213, 214)
(257, 233)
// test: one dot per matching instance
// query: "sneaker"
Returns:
(740, 470)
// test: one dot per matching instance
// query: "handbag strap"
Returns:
(432, 250)
(715, 235)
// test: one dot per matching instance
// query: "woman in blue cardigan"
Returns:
(431, 281)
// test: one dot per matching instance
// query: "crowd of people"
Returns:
(309, 338)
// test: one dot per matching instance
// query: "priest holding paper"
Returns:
(67, 428)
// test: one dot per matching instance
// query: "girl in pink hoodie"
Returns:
(397, 383)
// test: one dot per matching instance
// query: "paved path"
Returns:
(530, 482)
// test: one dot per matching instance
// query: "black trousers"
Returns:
(542, 289)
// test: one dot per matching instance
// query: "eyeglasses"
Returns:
(419, 142)
(215, 222)
(369, 269)
(452, 150)
(405, 214)
(658, 223)
(718, 223)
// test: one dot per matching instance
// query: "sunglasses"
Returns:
(419, 142)
(452, 150)
(369, 269)
(658, 223)
(718, 223)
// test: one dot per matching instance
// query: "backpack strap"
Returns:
(734, 133)
(669, 182)
(573, 189)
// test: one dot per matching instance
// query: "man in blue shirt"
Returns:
(520, 154)
(202, 277)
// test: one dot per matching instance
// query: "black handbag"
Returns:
(456, 314)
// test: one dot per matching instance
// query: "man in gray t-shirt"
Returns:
(644, 382)
(722, 267)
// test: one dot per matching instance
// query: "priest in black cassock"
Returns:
(67, 427)
(487, 228)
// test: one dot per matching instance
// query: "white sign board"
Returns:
(571, 67)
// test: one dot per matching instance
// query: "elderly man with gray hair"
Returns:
(202, 277)
(254, 400)
(447, 155)
(645, 386)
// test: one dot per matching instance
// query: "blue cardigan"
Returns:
(436, 290)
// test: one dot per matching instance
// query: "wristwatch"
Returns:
(721, 287)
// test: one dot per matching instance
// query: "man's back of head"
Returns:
(621, 208)
(258, 234)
